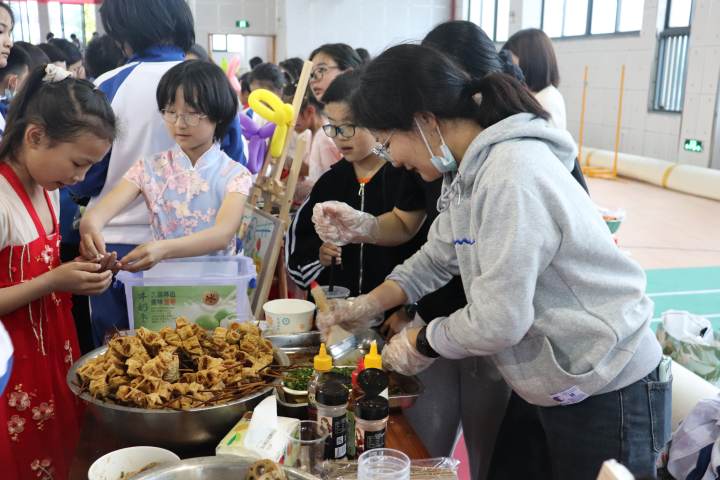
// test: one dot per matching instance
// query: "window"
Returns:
(672, 57)
(230, 43)
(27, 23)
(493, 16)
(573, 18)
(69, 18)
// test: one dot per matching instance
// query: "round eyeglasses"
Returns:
(190, 119)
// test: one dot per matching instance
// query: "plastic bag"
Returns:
(695, 445)
(689, 340)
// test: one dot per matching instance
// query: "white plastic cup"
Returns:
(127, 460)
(338, 292)
(383, 464)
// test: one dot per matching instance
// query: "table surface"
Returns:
(94, 443)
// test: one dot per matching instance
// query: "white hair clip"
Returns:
(53, 74)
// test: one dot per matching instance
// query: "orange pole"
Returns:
(619, 120)
(582, 115)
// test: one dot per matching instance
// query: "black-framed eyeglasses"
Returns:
(345, 131)
(190, 119)
(318, 74)
(382, 150)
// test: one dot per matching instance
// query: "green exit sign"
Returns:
(242, 23)
(693, 145)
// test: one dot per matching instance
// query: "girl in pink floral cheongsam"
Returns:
(195, 192)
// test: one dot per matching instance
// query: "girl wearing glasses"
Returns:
(362, 180)
(330, 60)
(194, 191)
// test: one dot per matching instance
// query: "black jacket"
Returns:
(302, 244)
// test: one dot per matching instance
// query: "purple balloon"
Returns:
(257, 141)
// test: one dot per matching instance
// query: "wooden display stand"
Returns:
(274, 195)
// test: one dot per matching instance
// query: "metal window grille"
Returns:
(671, 70)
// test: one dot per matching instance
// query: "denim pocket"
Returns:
(660, 399)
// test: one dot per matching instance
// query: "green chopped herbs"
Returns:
(299, 378)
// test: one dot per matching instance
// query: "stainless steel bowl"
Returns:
(171, 429)
(212, 468)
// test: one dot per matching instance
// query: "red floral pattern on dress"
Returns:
(19, 400)
(16, 425)
(43, 468)
(42, 413)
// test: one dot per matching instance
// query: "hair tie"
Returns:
(473, 88)
(509, 67)
(54, 74)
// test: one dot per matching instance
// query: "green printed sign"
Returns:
(210, 306)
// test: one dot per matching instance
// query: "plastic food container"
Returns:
(211, 291)
(288, 316)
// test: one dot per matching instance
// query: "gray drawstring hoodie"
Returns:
(561, 310)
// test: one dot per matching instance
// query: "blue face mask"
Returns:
(445, 163)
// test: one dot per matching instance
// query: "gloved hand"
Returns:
(401, 356)
(339, 223)
(353, 314)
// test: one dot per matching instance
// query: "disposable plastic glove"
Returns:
(339, 223)
(401, 356)
(353, 314)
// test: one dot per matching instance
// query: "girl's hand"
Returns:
(144, 257)
(79, 278)
(328, 251)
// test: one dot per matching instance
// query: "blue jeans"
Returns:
(631, 425)
(108, 311)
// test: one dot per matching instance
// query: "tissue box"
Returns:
(272, 447)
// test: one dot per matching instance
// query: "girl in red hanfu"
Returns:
(57, 128)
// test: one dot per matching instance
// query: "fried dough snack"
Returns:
(181, 368)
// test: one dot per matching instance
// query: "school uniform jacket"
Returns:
(363, 266)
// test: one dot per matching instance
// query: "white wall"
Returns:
(644, 132)
(375, 25)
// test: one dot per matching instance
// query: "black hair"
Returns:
(200, 52)
(254, 62)
(49, 36)
(245, 82)
(409, 79)
(17, 61)
(69, 50)
(35, 53)
(205, 88)
(270, 73)
(54, 53)
(342, 87)
(102, 55)
(64, 110)
(343, 54)
(291, 68)
(9, 10)
(469, 46)
(310, 99)
(146, 23)
(363, 54)
(537, 58)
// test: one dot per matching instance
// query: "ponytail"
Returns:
(63, 106)
(409, 79)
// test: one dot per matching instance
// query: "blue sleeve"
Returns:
(232, 144)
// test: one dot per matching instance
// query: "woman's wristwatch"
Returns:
(423, 346)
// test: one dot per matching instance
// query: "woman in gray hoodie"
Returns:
(551, 300)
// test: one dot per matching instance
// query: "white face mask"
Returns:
(444, 164)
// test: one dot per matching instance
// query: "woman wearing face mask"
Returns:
(329, 61)
(570, 335)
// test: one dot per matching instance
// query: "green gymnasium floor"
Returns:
(696, 290)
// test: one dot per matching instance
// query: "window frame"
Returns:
(493, 37)
(588, 23)
(662, 36)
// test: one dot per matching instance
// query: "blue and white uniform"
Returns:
(131, 89)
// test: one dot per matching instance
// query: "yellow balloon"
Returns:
(270, 107)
